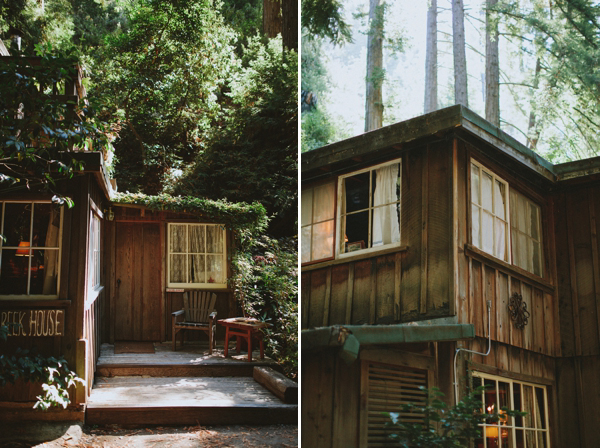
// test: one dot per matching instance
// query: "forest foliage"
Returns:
(190, 104)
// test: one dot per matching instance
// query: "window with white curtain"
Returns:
(493, 207)
(31, 248)
(94, 251)
(531, 430)
(317, 222)
(369, 208)
(197, 256)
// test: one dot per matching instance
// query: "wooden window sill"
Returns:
(34, 302)
(352, 258)
(509, 269)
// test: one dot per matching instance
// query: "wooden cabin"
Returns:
(440, 242)
(107, 269)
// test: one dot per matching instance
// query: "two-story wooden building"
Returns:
(440, 252)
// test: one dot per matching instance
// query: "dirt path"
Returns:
(282, 436)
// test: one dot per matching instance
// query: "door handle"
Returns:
(119, 282)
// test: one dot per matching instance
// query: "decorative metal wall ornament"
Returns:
(518, 310)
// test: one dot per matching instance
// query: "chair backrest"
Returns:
(198, 305)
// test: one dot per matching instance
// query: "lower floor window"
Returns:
(514, 432)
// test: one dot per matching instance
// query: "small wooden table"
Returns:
(244, 328)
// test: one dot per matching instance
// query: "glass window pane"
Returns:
(486, 191)
(476, 237)
(540, 408)
(177, 238)
(46, 224)
(522, 207)
(487, 232)
(517, 403)
(537, 265)
(356, 192)
(307, 203)
(500, 200)
(305, 242)
(357, 231)
(13, 272)
(197, 239)
(520, 438)
(197, 269)
(534, 221)
(500, 243)
(215, 269)
(475, 197)
(177, 269)
(504, 402)
(528, 406)
(530, 438)
(323, 203)
(44, 272)
(17, 224)
(491, 401)
(214, 239)
(322, 240)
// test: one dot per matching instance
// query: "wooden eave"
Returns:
(93, 163)
(371, 147)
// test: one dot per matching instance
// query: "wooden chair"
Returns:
(199, 314)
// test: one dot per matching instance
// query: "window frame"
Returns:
(339, 243)
(177, 285)
(333, 183)
(29, 296)
(537, 201)
(513, 426)
(95, 249)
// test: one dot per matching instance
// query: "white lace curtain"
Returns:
(386, 223)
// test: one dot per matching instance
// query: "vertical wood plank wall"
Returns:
(400, 286)
(578, 266)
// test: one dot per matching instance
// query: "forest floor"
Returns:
(282, 436)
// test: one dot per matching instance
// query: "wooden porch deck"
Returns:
(191, 360)
(182, 388)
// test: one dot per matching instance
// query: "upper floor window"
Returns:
(318, 212)
(489, 212)
(369, 210)
(197, 256)
(491, 207)
(504, 393)
(31, 250)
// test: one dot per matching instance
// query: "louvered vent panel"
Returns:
(389, 388)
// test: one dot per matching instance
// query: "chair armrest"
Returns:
(177, 313)
(213, 315)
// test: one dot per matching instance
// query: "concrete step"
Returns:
(185, 401)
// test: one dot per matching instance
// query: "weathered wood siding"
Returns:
(412, 283)
(480, 277)
(578, 264)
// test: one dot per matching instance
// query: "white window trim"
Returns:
(94, 214)
(196, 285)
(495, 177)
(60, 235)
(338, 216)
(508, 239)
(513, 427)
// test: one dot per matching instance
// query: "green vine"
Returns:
(240, 216)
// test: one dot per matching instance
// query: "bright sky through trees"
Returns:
(403, 89)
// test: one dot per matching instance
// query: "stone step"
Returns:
(185, 401)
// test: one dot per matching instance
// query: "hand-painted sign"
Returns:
(34, 322)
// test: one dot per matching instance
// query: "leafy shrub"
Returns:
(443, 426)
(266, 284)
(53, 373)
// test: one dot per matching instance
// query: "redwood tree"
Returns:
(375, 72)
(431, 60)
(460, 59)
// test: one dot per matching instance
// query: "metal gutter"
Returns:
(351, 337)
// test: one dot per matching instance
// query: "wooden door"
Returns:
(138, 276)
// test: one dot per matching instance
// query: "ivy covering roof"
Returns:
(235, 215)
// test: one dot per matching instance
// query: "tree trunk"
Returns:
(289, 11)
(492, 68)
(533, 134)
(375, 73)
(431, 102)
(460, 59)
(272, 22)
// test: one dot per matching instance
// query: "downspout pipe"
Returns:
(460, 349)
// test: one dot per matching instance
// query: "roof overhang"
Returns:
(350, 338)
(390, 140)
